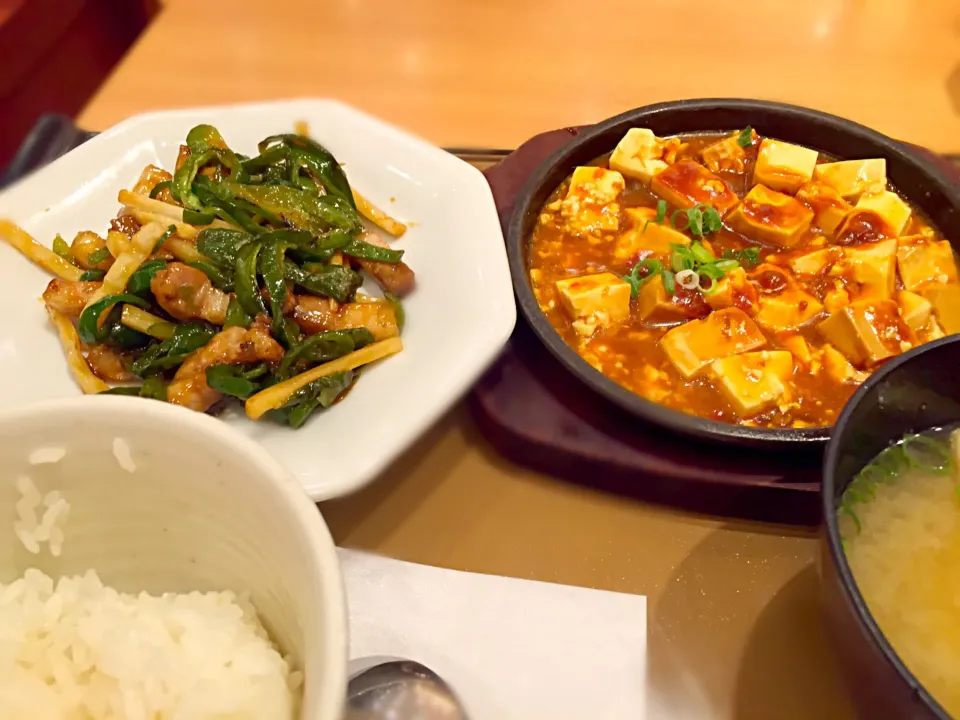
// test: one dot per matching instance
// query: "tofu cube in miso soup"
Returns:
(595, 300)
(783, 166)
(872, 265)
(646, 236)
(591, 203)
(888, 205)
(638, 155)
(687, 183)
(852, 178)
(829, 207)
(772, 217)
(867, 331)
(753, 381)
(725, 332)
(923, 261)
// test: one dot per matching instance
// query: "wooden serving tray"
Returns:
(539, 415)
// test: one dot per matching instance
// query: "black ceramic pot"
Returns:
(917, 391)
(915, 175)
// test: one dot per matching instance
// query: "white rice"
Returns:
(76, 649)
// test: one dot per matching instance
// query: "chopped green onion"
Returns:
(675, 215)
(701, 254)
(668, 282)
(711, 271)
(98, 256)
(712, 222)
(745, 139)
(695, 221)
(726, 265)
(652, 266)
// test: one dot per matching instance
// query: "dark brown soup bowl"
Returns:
(916, 176)
(917, 391)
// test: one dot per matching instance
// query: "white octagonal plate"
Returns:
(458, 318)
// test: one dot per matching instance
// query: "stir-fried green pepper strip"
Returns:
(62, 248)
(361, 249)
(119, 335)
(236, 315)
(335, 281)
(154, 388)
(221, 245)
(203, 137)
(323, 347)
(159, 188)
(229, 380)
(217, 200)
(93, 275)
(322, 392)
(319, 214)
(186, 339)
(195, 217)
(88, 326)
(163, 238)
(245, 280)
(140, 280)
(128, 390)
(221, 279)
(182, 188)
(271, 268)
(314, 156)
(398, 310)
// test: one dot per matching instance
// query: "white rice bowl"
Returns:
(221, 596)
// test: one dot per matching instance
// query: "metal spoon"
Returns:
(401, 690)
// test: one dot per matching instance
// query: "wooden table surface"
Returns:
(733, 616)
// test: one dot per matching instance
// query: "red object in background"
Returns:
(55, 53)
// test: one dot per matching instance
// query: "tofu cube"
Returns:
(873, 265)
(753, 381)
(687, 184)
(595, 300)
(852, 178)
(839, 368)
(734, 290)
(782, 166)
(867, 331)
(787, 310)
(646, 235)
(799, 348)
(725, 155)
(638, 155)
(725, 332)
(914, 309)
(816, 262)
(922, 261)
(772, 217)
(945, 300)
(829, 207)
(655, 306)
(888, 205)
(591, 201)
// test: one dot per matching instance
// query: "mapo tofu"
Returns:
(737, 277)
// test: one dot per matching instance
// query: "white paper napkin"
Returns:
(512, 649)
